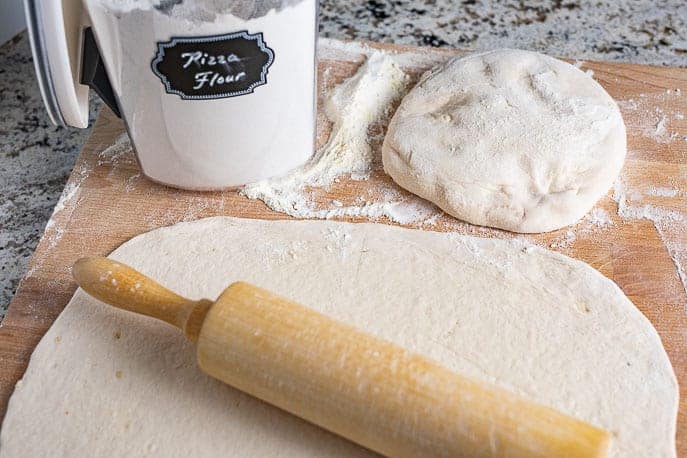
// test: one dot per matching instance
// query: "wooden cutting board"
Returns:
(640, 242)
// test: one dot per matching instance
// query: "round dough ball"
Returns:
(509, 139)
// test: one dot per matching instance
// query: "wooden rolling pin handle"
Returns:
(125, 288)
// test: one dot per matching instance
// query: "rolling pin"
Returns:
(365, 389)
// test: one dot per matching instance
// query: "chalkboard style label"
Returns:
(213, 67)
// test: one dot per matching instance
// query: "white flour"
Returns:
(669, 224)
(112, 154)
(354, 107)
(663, 192)
(678, 254)
(599, 218)
(655, 122)
(221, 142)
(564, 242)
(596, 221)
(629, 211)
(330, 49)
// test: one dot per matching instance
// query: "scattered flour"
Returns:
(130, 183)
(678, 254)
(564, 242)
(598, 217)
(654, 122)
(66, 204)
(115, 151)
(650, 212)
(595, 221)
(628, 211)
(660, 132)
(354, 107)
(55, 228)
(663, 192)
(68, 193)
(669, 224)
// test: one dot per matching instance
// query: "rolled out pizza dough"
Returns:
(104, 382)
(509, 139)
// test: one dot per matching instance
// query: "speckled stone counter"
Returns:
(36, 157)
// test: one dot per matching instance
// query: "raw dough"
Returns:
(509, 139)
(105, 383)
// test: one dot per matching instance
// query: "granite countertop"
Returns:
(36, 157)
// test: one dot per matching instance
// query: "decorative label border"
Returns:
(209, 39)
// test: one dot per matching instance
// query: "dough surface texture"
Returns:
(106, 383)
(510, 139)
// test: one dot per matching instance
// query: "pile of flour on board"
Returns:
(362, 101)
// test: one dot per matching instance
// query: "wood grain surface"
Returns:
(638, 239)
